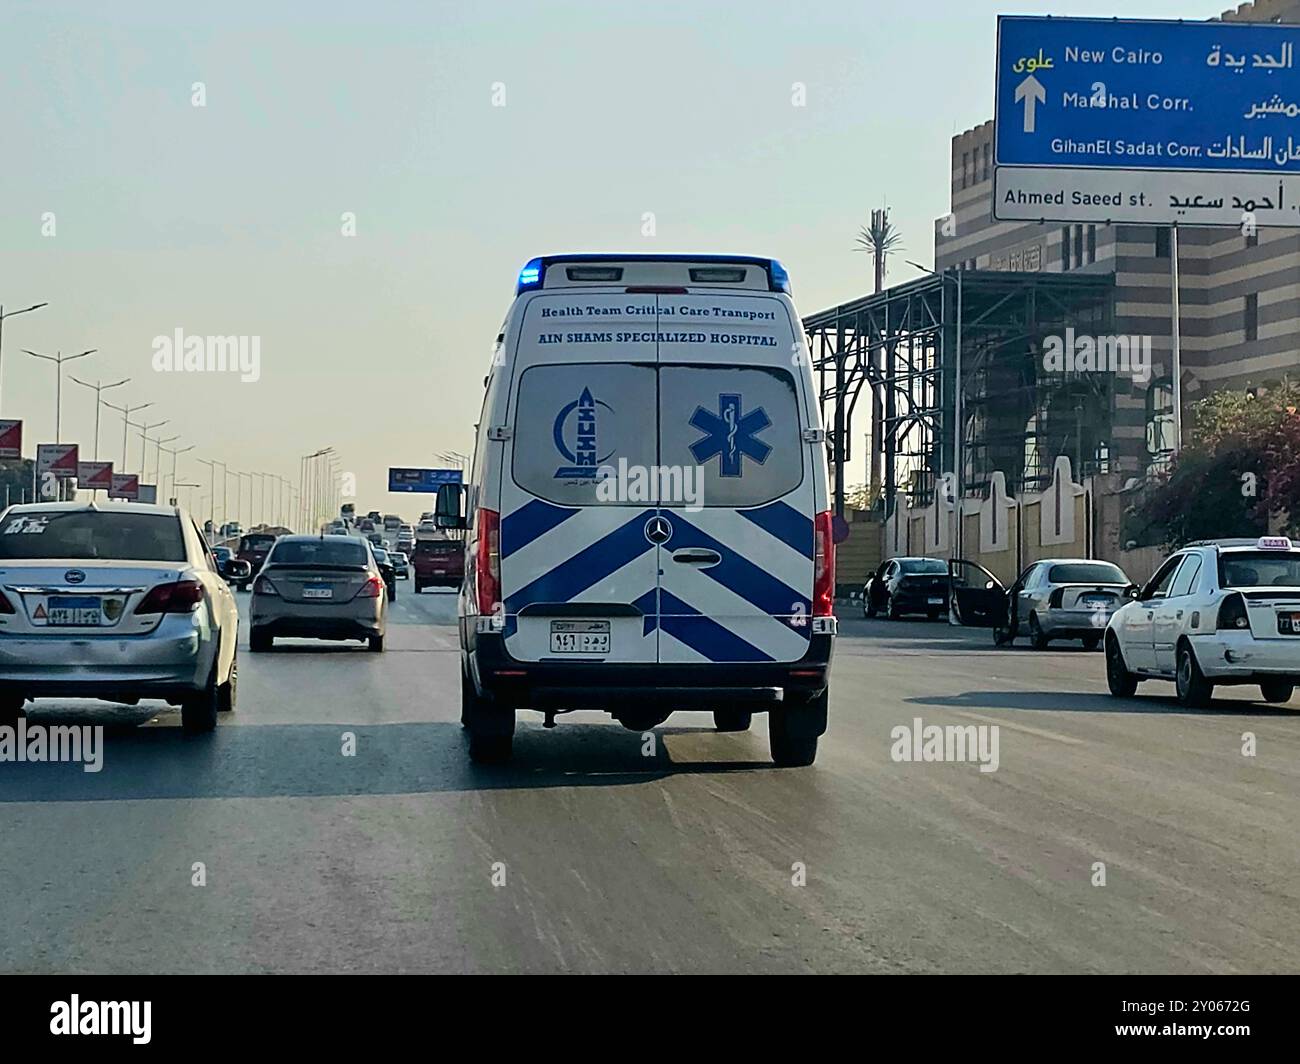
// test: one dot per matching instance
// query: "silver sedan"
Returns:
(115, 602)
(1066, 598)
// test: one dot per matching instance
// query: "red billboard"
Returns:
(95, 476)
(57, 459)
(11, 439)
(125, 486)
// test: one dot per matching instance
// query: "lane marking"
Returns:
(1068, 740)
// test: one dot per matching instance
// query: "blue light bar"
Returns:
(533, 275)
(779, 277)
(530, 276)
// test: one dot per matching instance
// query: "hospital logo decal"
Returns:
(730, 434)
(579, 421)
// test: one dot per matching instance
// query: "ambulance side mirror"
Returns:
(449, 510)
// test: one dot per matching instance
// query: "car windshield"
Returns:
(85, 535)
(924, 566)
(256, 542)
(319, 552)
(1260, 569)
(381, 556)
(1087, 573)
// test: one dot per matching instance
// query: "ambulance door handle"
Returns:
(697, 556)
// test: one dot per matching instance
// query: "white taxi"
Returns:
(1221, 612)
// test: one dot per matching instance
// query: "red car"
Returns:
(253, 548)
(438, 563)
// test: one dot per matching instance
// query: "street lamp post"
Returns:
(144, 441)
(58, 359)
(126, 412)
(12, 314)
(175, 454)
(99, 388)
(157, 459)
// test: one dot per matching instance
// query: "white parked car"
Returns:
(1225, 612)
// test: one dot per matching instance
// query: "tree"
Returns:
(1238, 471)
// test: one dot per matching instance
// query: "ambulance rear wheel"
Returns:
(491, 728)
(793, 730)
(732, 720)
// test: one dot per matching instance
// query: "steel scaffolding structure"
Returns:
(1016, 415)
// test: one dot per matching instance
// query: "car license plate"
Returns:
(318, 592)
(580, 637)
(1288, 623)
(935, 601)
(74, 612)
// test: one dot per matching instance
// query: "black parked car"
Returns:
(907, 585)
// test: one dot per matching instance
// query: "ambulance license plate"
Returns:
(580, 637)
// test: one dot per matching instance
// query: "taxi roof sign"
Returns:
(1274, 543)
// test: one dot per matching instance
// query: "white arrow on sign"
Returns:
(1032, 92)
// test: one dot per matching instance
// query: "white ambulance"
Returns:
(648, 523)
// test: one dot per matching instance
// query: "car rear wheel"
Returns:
(230, 689)
(1193, 689)
(869, 605)
(11, 708)
(1037, 637)
(891, 609)
(1091, 642)
(376, 644)
(259, 641)
(1121, 682)
(732, 719)
(1277, 691)
(199, 710)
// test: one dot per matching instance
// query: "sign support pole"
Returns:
(1177, 367)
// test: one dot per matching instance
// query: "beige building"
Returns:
(1240, 294)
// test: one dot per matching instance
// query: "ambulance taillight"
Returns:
(487, 563)
(823, 566)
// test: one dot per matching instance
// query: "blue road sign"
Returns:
(422, 480)
(1074, 92)
(1109, 120)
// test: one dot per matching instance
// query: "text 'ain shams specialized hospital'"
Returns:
(1239, 291)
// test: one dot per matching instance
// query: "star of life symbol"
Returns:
(730, 435)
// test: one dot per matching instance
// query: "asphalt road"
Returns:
(687, 860)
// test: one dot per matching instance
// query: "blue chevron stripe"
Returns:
(787, 524)
(738, 574)
(589, 566)
(529, 522)
(703, 634)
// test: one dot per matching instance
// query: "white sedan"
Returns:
(1215, 613)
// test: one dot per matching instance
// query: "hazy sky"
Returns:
(226, 219)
